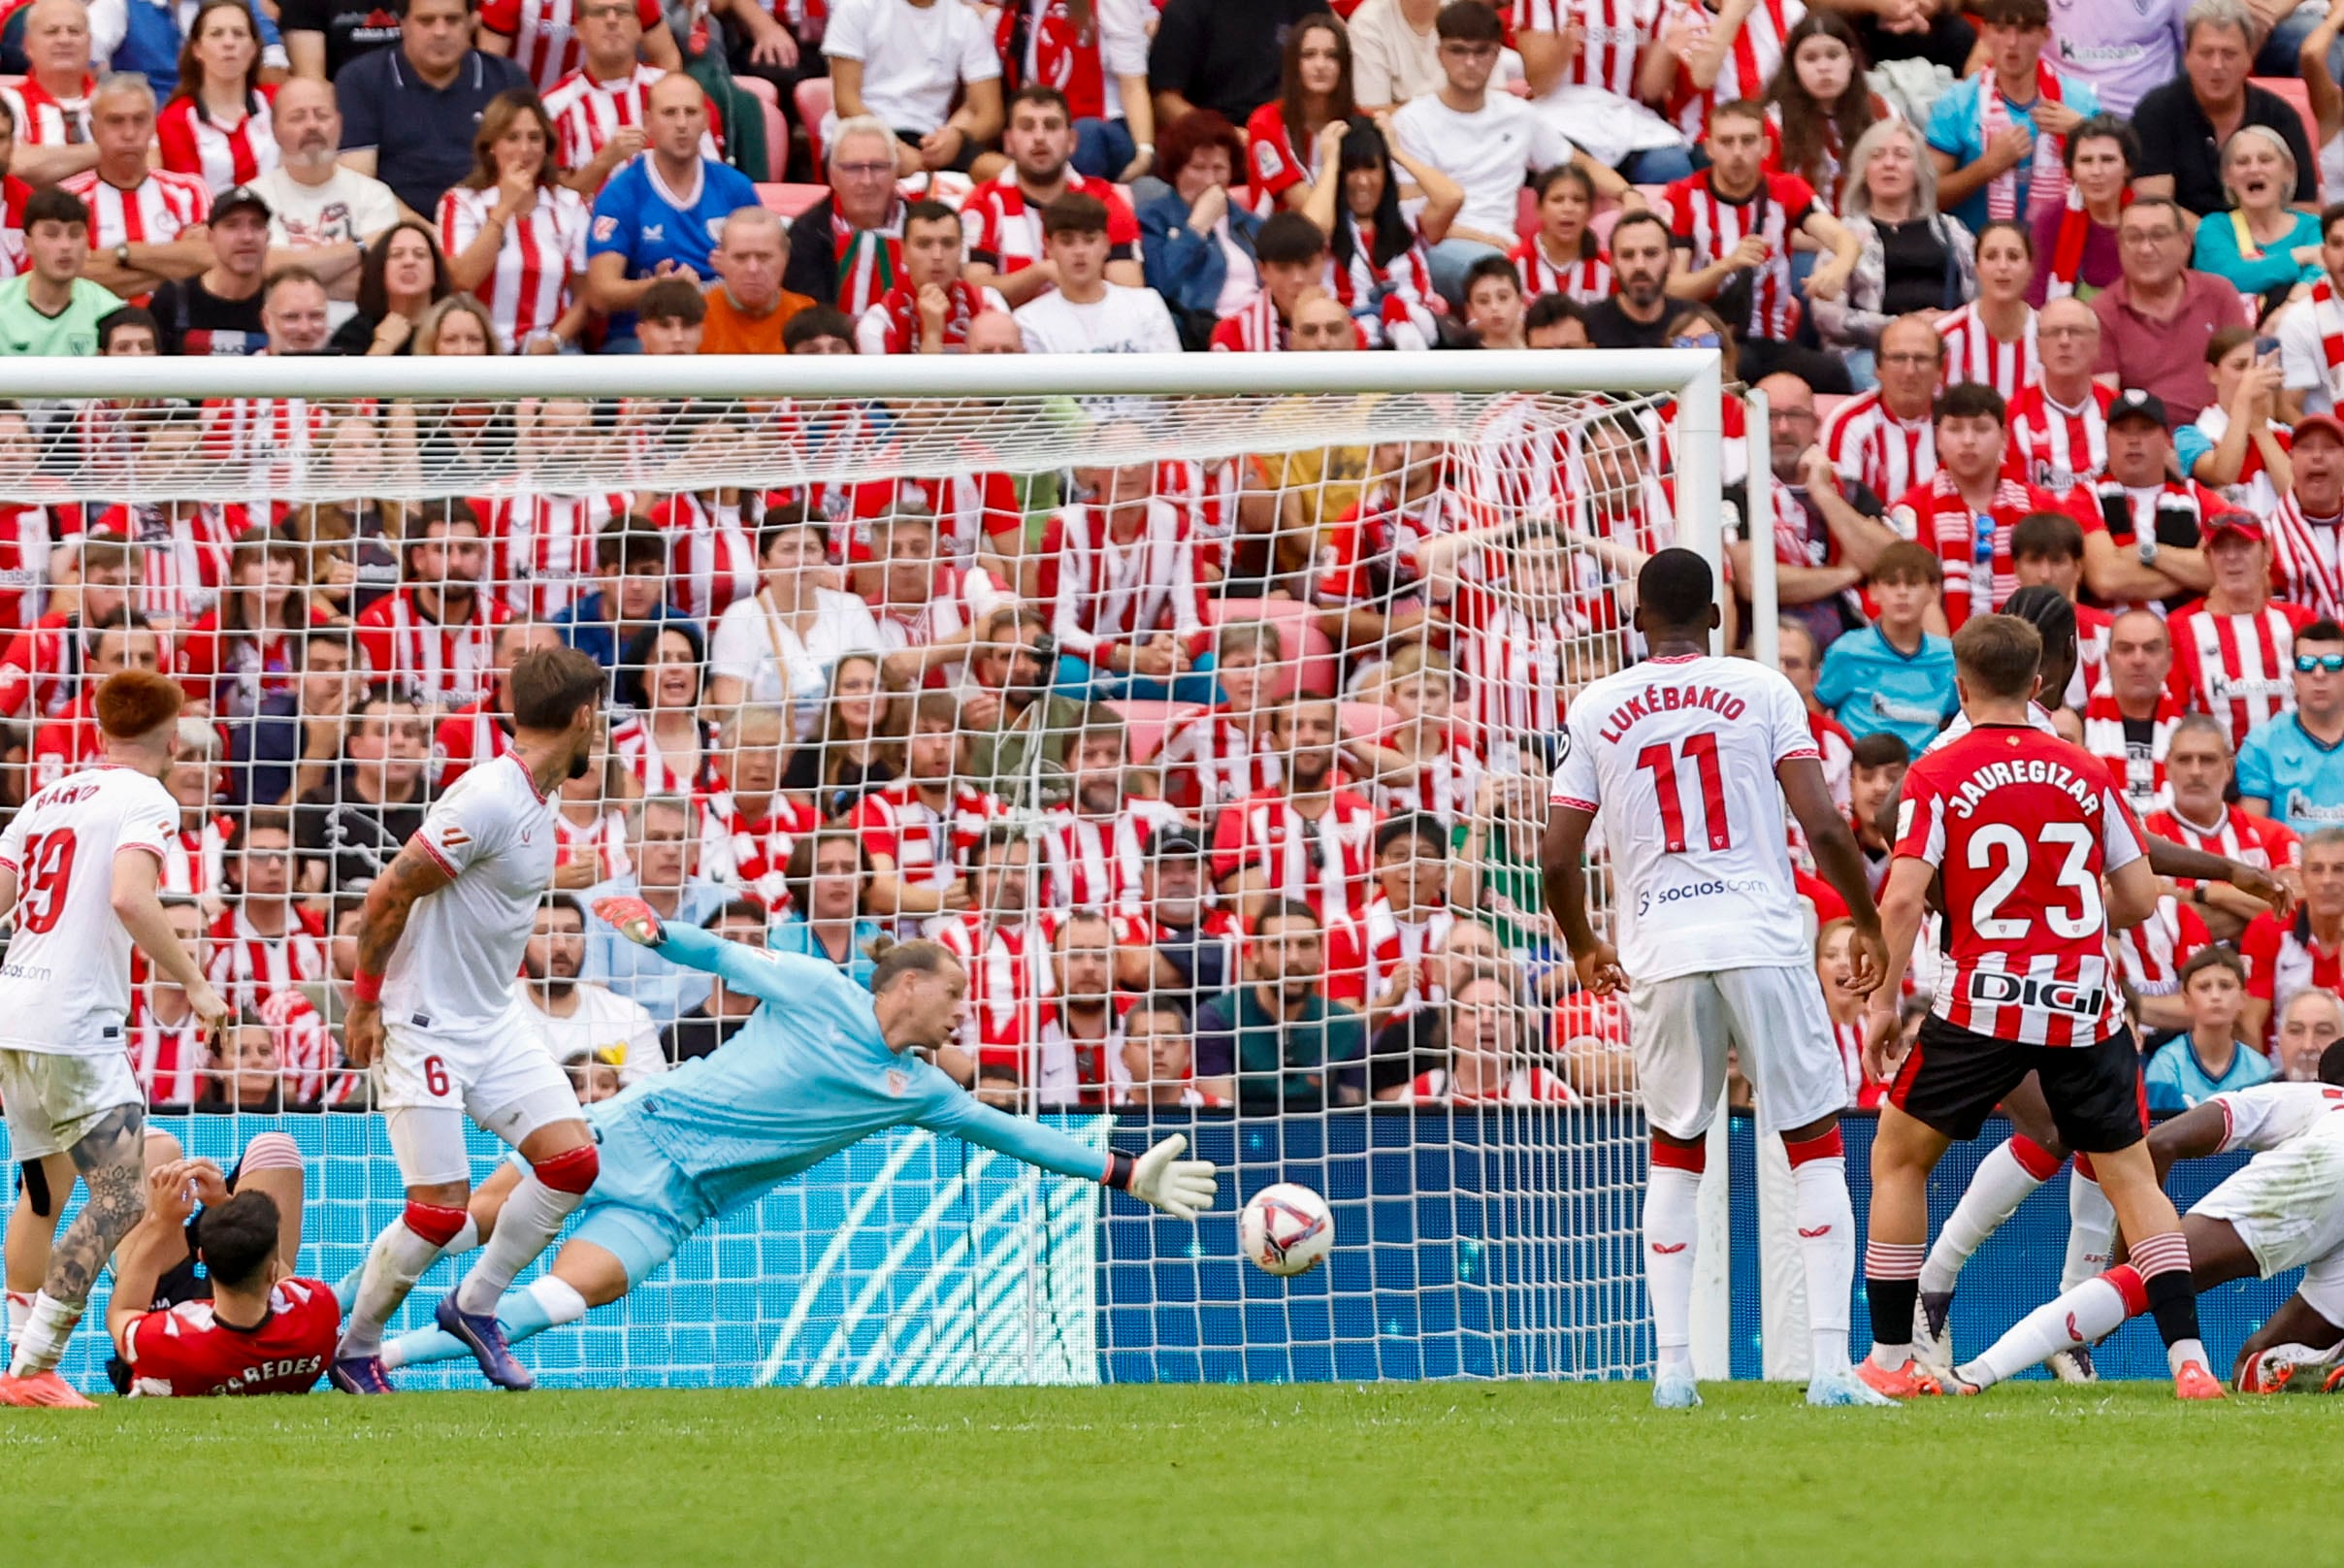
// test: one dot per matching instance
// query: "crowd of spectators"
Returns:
(1224, 778)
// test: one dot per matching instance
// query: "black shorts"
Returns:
(1954, 1079)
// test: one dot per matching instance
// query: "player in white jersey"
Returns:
(79, 864)
(2283, 1210)
(1681, 756)
(437, 1015)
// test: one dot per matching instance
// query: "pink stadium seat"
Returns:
(1601, 225)
(2293, 90)
(791, 201)
(1146, 724)
(777, 133)
(1368, 719)
(1826, 402)
(1526, 212)
(813, 99)
(1306, 657)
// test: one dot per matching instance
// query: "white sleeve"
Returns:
(644, 1059)
(979, 61)
(1792, 737)
(844, 38)
(2302, 363)
(108, 25)
(372, 206)
(2268, 1115)
(1548, 145)
(1122, 38)
(149, 821)
(1575, 778)
(1412, 139)
(2120, 842)
(736, 650)
(1161, 337)
(1028, 318)
(870, 331)
(461, 826)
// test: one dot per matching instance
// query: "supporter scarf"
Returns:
(2067, 246)
(2048, 180)
(867, 259)
(2301, 571)
(2328, 317)
(2116, 509)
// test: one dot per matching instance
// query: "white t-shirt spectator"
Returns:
(350, 206)
(1127, 321)
(1391, 62)
(914, 57)
(1487, 152)
(606, 1026)
(762, 651)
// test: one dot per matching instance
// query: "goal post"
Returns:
(1201, 704)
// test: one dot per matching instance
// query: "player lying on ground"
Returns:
(253, 1328)
(2022, 826)
(79, 866)
(2283, 1210)
(1683, 756)
(2032, 1153)
(439, 944)
(821, 1065)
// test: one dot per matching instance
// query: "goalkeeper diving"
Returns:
(821, 1065)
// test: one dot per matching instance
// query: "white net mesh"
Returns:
(1211, 731)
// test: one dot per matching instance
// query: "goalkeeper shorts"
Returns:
(641, 1208)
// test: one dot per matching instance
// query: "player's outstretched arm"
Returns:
(1182, 1188)
(2197, 1132)
(782, 979)
(415, 874)
(2168, 859)
(1561, 857)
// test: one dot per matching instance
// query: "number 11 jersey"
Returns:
(1677, 758)
(2022, 826)
(65, 987)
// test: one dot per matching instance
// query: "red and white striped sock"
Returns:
(2010, 1173)
(2170, 1292)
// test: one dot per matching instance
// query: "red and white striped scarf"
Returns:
(752, 853)
(2066, 262)
(2047, 178)
(2327, 314)
(1950, 528)
(868, 260)
(2305, 569)
(2140, 777)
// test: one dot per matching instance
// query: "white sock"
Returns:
(1672, 1228)
(2091, 1230)
(528, 1221)
(2002, 1184)
(558, 1299)
(41, 1343)
(1827, 1248)
(19, 1313)
(2182, 1351)
(397, 1258)
(2072, 1318)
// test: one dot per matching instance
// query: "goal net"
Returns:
(1204, 709)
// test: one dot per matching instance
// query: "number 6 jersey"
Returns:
(2022, 826)
(1678, 757)
(65, 988)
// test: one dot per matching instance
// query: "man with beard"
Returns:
(353, 825)
(321, 214)
(1095, 846)
(1278, 1044)
(1310, 838)
(1636, 316)
(1173, 942)
(1080, 1032)
(218, 311)
(452, 1037)
(1826, 536)
(1003, 706)
(435, 639)
(577, 1016)
(1004, 214)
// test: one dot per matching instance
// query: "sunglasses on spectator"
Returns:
(2333, 663)
(1695, 340)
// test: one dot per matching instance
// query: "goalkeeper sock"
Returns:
(400, 1255)
(2096, 1308)
(1826, 1245)
(1672, 1227)
(346, 1288)
(544, 1303)
(41, 1345)
(529, 1221)
(2005, 1178)
(2091, 1226)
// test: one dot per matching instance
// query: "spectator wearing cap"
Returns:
(748, 309)
(2149, 544)
(905, 63)
(2311, 334)
(662, 215)
(2157, 318)
(146, 224)
(50, 309)
(321, 214)
(409, 112)
(218, 311)
(1173, 941)
(2180, 148)
(2307, 528)
(2234, 650)
(2292, 770)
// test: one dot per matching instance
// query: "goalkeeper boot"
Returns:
(484, 1336)
(2073, 1365)
(1932, 1332)
(2195, 1382)
(42, 1389)
(360, 1373)
(1841, 1389)
(1674, 1389)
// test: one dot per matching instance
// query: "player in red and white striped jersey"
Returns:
(1885, 440)
(1747, 57)
(1951, 513)
(524, 257)
(435, 639)
(1992, 340)
(1739, 216)
(547, 38)
(1311, 839)
(2234, 651)
(264, 943)
(1562, 257)
(2022, 826)
(748, 826)
(1001, 219)
(221, 156)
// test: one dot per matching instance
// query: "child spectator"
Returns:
(2209, 1059)
(1894, 675)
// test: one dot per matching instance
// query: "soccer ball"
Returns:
(1285, 1229)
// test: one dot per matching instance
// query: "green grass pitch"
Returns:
(1430, 1473)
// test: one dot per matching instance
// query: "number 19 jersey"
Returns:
(2022, 826)
(1678, 757)
(65, 989)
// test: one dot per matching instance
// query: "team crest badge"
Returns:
(898, 1081)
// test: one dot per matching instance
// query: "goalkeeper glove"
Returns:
(1182, 1188)
(634, 919)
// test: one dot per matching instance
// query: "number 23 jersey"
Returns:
(1678, 757)
(2022, 826)
(65, 988)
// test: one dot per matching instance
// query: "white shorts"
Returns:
(1773, 1017)
(427, 1084)
(2287, 1206)
(53, 1101)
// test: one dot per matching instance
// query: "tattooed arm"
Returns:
(112, 1157)
(414, 875)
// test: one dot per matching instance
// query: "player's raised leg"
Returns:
(2004, 1179)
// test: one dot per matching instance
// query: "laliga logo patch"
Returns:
(605, 226)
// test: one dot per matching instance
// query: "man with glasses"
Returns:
(848, 248)
(598, 110)
(2058, 425)
(2156, 319)
(1840, 527)
(662, 215)
(1885, 440)
(2292, 768)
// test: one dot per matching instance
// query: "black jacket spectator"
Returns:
(190, 320)
(356, 838)
(1223, 54)
(2176, 139)
(347, 30)
(421, 134)
(697, 1034)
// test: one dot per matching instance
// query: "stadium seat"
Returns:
(1146, 724)
(1526, 212)
(1368, 719)
(791, 201)
(1306, 657)
(813, 99)
(777, 131)
(2291, 90)
(1826, 402)
(1601, 225)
